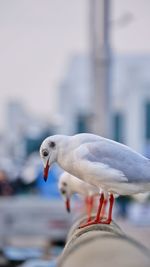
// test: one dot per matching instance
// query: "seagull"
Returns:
(104, 163)
(69, 185)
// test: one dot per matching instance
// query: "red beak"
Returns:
(68, 204)
(46, 169)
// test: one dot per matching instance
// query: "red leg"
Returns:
(109, 219)
(89, 206)
(103, 212)
(97, 218)
(101, 201)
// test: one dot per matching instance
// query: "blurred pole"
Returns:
(100, 57)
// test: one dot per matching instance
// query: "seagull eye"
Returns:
(45, 153)
(64, 184)
(63, 192)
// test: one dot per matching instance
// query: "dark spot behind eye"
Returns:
(64, 184)
(52, 144)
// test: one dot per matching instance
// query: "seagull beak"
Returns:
(46, 169)
(68, 204)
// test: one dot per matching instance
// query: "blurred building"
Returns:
(130, 96)
(23, 130)
(23, 135)
(131, 101)
(74, 100)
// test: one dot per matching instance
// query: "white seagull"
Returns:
(101, 162)
(69, 185)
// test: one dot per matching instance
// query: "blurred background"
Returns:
(67, 67)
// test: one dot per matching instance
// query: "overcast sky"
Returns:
(38, 37)
(130, 30)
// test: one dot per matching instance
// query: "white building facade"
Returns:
(131, 100)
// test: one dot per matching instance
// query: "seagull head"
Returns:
(48, 153)
(65, 190)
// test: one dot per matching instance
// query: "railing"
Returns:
(102, 246)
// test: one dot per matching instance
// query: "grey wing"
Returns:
(134, 166)
(94, 167)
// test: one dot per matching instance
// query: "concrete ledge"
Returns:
(102, 245)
